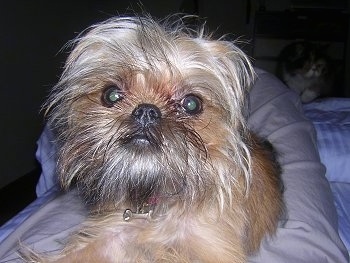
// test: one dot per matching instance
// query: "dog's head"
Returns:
(145, 109)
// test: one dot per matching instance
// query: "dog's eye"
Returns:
(111, 95)
(192, 104)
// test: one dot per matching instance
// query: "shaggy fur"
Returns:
(150, 117)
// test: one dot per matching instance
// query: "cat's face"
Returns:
(304, 59)
(305, 68)
(314, 68)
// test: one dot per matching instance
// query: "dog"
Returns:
(150, 120)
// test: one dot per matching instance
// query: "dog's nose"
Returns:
(146, 114)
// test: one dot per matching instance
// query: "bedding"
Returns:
(307, 233)
(331, 118)
(46, 156)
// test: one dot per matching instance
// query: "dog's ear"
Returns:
(233, 62)
(235, 71)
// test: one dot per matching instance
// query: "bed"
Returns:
(309, 233)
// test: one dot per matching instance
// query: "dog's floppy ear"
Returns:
(235, 71)
(233, 62)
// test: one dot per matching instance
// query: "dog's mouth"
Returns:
(143, 138)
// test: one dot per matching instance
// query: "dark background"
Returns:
(33, 33)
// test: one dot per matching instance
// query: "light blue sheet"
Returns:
(331, 118)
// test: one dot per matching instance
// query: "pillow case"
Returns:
(331, 118)
(46, 156)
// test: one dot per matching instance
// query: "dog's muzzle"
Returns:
(146, 117)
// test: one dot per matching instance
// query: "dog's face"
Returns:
(144, 110)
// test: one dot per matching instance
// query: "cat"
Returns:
(305, 68)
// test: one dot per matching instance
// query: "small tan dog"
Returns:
(151, 128)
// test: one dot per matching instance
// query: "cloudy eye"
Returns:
(111, 95)
(192, 104)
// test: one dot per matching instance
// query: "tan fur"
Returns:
(216, 185)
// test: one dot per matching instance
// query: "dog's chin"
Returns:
(136, 163)
(137, 174)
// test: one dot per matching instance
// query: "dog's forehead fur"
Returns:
(141, 49)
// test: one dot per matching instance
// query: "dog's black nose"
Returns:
(146, 114)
